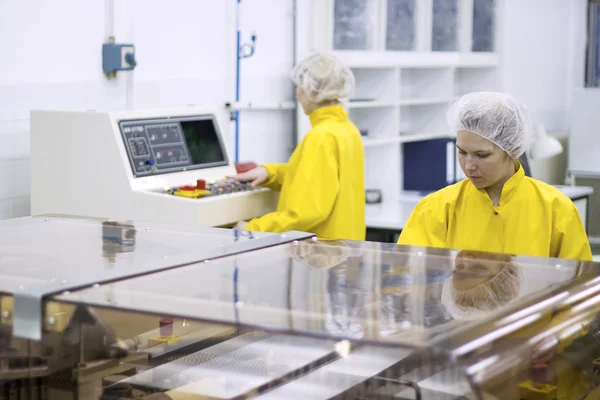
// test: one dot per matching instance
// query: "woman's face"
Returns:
(484, 163)
(473, 269)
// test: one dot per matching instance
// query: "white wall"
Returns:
(542, 53)
(51, 59)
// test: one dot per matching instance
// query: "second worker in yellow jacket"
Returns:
(322, 185)
(497, 208)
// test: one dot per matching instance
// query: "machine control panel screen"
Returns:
(158, 146)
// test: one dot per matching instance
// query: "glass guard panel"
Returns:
(353, 24)
(484, 25)
(368, 292)
(40, 250)
(400, 35)
(96, 356)
(445, 25)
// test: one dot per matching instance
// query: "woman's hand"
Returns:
(542, 369)
(240, 226)
(256, 175)
(544, 352)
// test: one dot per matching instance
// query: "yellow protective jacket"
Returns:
(322, 185)
(533, 218)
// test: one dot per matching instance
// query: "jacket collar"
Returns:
(510, 186)
(334, 112)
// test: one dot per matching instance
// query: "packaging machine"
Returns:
(97, 309)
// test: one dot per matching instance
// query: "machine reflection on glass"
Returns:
(320, 320)
(481, 282)
(117, 238)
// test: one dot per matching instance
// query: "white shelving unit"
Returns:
(402, 96)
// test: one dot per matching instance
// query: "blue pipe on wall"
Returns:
(240, 54)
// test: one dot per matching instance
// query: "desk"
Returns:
(386, 220)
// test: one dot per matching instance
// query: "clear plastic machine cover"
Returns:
(35, 251)
(315, 320)
(344, 320)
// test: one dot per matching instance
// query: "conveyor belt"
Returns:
(339, 375)
(245, 364)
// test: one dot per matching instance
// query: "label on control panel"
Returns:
(170, 155)
(155, 145)
(164, 134)
(165, 145)
(139, 147)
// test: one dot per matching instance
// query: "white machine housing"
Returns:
(80, 165)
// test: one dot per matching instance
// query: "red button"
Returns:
(185, 188)
(244, 166)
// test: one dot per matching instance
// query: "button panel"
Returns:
(212, 188)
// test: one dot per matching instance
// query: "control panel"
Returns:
(202, 188)
(167, 166)
(172, 145)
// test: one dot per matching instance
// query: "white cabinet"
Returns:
(411, 60)
(355, 24)
(400, 25)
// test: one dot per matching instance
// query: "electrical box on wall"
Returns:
(117, 57)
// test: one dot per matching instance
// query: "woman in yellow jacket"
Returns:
(322, 185)
(497, 208)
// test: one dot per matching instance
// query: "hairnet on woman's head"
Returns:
(494, 116)
(323, 77)
(468, 305)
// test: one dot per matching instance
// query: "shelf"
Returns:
(369, 104)
(423, 136)
(428, 101)
(380, 141)
(249, 106)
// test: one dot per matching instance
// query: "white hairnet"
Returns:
(475, 303)
(323, 77)
(494, 116)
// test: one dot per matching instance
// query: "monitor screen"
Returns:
(202, 141)
(166, 145)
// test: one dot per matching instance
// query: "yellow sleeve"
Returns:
(423, 228)
(312, 193)
(276, 175)
(571, 240)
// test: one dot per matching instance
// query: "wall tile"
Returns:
(7, 179)
(7, 146)
(7, 103)
(6, 209)
(22, 144)
(22, 177)
(22, 206)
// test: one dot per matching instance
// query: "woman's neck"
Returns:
(495, 191)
